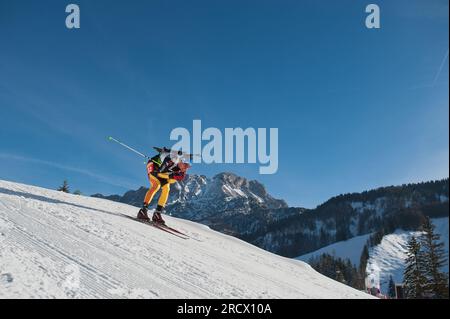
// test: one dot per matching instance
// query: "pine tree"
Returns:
(341, 270)
(414, 278)
(77, 192)
(363, 261)
(434, 260)
(65, 187)
(391, 292)
(359, 280)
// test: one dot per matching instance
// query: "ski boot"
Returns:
(142, 214)
(157, 218)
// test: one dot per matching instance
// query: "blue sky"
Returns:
(355, 108)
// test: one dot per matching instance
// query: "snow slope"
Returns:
(350, 248)
(388, 258)
(57, 245)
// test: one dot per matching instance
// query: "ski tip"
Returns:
(109, 138)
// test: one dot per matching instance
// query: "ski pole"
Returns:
(128, 147)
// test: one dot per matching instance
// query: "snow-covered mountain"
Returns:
(350, 215)
(58, 245)
(197, 196)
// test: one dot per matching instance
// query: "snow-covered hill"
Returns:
(386, 259)
(60, 245)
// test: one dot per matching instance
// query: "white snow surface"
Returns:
(350, 249)
(58, 245)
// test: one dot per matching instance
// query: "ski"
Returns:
(169, 230)
(174, 230)
(161, 227)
